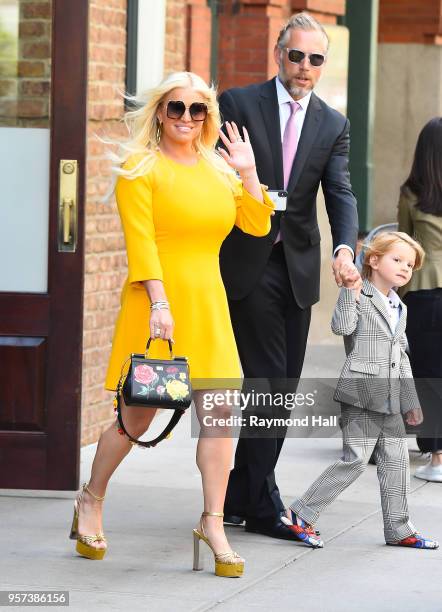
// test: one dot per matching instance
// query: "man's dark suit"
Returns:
(271, 288)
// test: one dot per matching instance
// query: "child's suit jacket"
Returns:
(377, 373)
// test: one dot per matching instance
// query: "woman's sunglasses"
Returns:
(296, 56)
(176, 109)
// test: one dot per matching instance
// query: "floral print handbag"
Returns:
(154, 383)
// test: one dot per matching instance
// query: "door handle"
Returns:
(67, 206)
(67, 220)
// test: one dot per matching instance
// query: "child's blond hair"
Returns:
(382, 243)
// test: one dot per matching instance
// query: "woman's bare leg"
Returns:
(111, 450)
(214, 460)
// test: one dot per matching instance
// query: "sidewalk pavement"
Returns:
(153, 503)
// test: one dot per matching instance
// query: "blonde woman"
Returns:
(178, 198)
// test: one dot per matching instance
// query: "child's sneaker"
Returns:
(416, 541)
(303, 531)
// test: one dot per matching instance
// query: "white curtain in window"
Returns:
(150, 53)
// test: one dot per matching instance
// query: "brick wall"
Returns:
(408, 21)
(105, 259)
(199, 34)
(188, 36)
(176, 38)
(325, 11)
(248, 30)
(25, 68)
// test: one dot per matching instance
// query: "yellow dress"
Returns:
(175, 219)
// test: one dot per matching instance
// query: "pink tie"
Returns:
(289, 146)
(289, 142)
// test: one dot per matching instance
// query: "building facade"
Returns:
(61, 95)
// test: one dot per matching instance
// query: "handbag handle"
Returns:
(169, 341)
(177, 414)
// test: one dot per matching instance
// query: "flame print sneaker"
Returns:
(303, 531)
(416, 541)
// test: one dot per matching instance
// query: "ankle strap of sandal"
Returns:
(213, 514)
(96, 497)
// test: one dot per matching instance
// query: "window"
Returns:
(146, 22)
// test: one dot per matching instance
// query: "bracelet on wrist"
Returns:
(160, 305)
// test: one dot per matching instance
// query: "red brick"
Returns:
(407, 21)
(36, 10)
(335, 7)
(29, 29)
(32, 108)
(8, 88)
(31, 69)
(35, 88)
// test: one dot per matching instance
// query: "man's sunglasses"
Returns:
(177, 108)
(296, 56)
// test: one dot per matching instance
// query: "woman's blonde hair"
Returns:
(382, 243)
(144, 128)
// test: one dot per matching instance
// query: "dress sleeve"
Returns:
(253, 216)
(134, 200)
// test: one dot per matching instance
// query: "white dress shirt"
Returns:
(393, 306)
(284, 114)
(284, 108)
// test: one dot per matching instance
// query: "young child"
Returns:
(375, 387)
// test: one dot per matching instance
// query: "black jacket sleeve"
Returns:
(339, 197)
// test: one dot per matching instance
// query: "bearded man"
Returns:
(299, 143)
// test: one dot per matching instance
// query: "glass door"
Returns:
(43, 83)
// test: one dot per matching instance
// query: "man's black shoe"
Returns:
(233, 520)
(273, 530)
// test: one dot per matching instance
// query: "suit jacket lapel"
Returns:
(402, 323)
(377, 301)
(308, 135)
(268, 103)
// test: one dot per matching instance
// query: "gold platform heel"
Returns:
(85, 542)
(228, 564)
